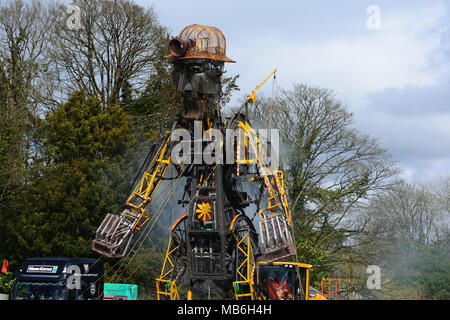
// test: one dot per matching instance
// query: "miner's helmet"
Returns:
(199, 42)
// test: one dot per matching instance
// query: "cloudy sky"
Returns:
(395, 78)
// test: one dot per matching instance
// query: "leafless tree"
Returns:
(23, 43)
(116, 45)
(401, 222)
(442, 190)
(444, 193)
(331, 166)
(407, 214)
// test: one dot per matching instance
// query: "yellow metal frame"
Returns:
(165, 286)
(246, 269)
(252, 97)
(274, 180)
(171, 289)
(270, 178)
(150, 181)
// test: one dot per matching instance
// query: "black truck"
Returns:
(59, 279)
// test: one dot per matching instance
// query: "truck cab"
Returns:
(59, 279)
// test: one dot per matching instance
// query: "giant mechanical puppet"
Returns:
(215, 237)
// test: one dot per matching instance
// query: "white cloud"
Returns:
(408, 174)
(393, 57)
(408, 138)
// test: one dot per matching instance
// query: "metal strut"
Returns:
(275, 220)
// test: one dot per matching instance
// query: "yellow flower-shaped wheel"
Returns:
(204, 211)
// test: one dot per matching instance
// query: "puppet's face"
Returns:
(199, 75)
(198, 80)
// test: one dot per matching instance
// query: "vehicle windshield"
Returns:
(280, 282)
(40, 291)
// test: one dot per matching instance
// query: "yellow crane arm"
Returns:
(252, 97)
